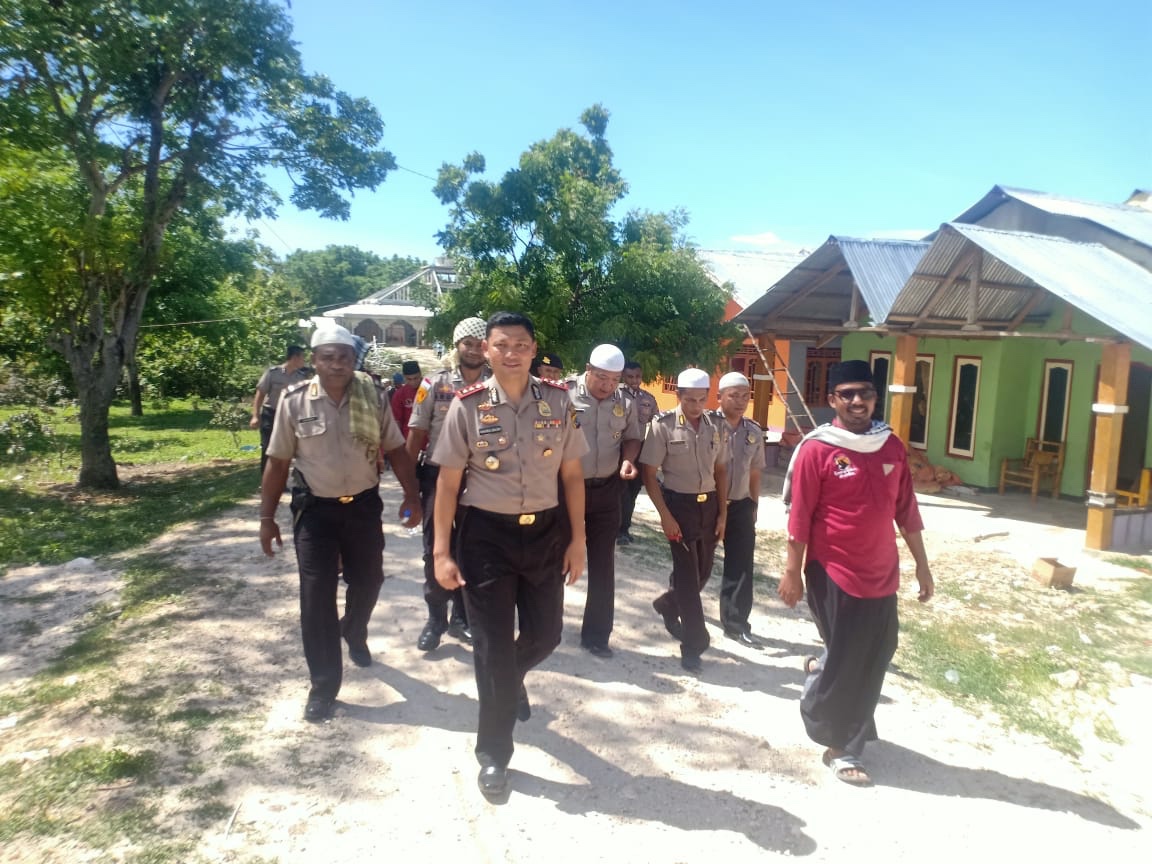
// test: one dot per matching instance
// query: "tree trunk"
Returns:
(134, 387)
(97, 468)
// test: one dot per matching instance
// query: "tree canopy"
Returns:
(135, 111)
(338, 275)
(542, 240)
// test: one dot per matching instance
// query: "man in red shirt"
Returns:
(404, 397)
(847, 483)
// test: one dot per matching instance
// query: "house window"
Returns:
(881, 362)
(965, 396)
(745, 362)
(1054, 403)
(819, 363)
(921, 402)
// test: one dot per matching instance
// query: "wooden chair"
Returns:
(1042, 461)
(1140, 493)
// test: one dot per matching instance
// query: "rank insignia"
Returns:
(487, 419)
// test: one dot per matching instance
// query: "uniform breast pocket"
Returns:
(310, 427)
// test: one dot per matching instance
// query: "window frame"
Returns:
(958, 363)
(930, 361)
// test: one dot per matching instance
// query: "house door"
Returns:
(1134, 437)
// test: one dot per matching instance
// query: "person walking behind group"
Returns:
(432, 400)
(745, 465)
(548, 367)
(335, 427)
(689, 447)
(515, 435)
(404, 396)
(846, 485)
(608, 420)
(268, 390)
(646, 409)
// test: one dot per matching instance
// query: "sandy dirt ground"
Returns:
(628, 759)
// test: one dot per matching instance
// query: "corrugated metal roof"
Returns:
(380, 310)
(879, 268)
(1105, 285)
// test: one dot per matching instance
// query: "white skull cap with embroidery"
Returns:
(333, 334)
(477, 328)
(733, 379)
(693, 378)
(607, 357)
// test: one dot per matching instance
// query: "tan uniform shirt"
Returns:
(646, 407)
(432, 400)
(745, 454)
(607, 423)
(317, 432)
(686, 456)
(273, 382)
(512, 453)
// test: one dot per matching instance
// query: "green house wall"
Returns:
(1010, 390)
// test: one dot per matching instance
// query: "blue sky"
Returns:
(762, 119)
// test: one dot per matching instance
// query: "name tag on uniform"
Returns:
(677, 442)
(308, 419)
(490, 430)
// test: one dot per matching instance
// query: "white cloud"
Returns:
(767, 238)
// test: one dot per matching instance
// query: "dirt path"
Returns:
(623, 760)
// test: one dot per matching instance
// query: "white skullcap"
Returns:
(477, 328)
(693, 378)
(607, 357)
(733, 379)
(333, 334)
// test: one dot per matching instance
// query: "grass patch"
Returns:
(1130, 561)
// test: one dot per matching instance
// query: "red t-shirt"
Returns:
(402, 401)
(844, 504)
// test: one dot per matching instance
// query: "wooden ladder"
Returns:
(773, 368)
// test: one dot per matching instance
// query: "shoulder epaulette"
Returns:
(299, 385)
(472, 391)
(557, 385)
(664, 415)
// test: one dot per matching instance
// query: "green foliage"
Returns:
(339, 275)
(541, 240)
(230, 416)
(117, 116)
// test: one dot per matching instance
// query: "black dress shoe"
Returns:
(623, 539)
(493, 781)
(691, 663)
(460, 630)
(523, 706)
(318, 709)
(601, 651)
(743, 637)
(359, 654)
(671, 621)
(429, 639)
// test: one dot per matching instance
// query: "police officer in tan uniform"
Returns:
(272, 383)
(336, 426)
(745, 464)
(432, 400)
(608, 419)
(646, 409)
(513, 435)
(688, 447)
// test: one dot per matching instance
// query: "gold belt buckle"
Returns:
(345, 499)
(702, 497)
(527, 518)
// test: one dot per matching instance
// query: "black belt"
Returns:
(521, 519)
(598, 482)
(698, 497)
(350, 499)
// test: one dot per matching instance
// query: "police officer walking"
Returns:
(689, 448)
(646, 409)
(608, 419)
(745, 464)
(432, 400)
(335, 426)
(268, 390)
(514, 435)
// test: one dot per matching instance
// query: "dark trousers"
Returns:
(736, 582)
(601, 524)
(326, 533)
(435, 595)
(691, 566)
(628, 492)
(839, 700)
(510, 570)
(267, 420)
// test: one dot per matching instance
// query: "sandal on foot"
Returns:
(847, 769)
(810, 665)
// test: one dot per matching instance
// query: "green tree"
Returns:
(341, 275)
(142, 109)
(542, 240)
